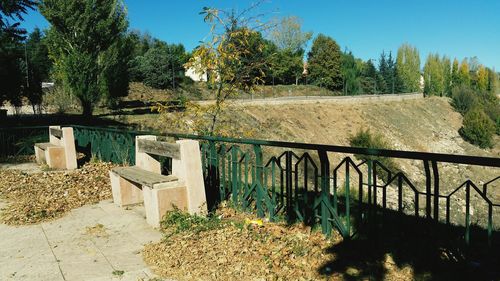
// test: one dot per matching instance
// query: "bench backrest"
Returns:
(64, 137)
(58, 133)
(186, 165)
(161, 148)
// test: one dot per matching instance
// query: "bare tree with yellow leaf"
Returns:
(234, 61)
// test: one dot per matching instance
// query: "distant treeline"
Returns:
(91, 53)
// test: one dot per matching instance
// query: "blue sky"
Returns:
(457, 28)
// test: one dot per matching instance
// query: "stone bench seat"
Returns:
(147, 178)
(45, 145)
(60, 151)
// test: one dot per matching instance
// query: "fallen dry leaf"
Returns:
(34, 198)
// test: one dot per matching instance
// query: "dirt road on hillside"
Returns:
(322, 99)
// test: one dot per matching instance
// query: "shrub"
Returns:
(492, 109)
(60, 100)
(478, 128)
(463, 99)
(365, 139)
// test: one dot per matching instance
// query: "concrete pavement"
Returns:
(96, 242)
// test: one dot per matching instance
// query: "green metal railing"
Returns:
(299, 182)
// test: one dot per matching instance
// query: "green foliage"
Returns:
(463, 99)
(446, 67)
(365, 139)
(14, 10)
(115, 78)
(350, 75)
(286, 67)
(38, 66)
(387, 80)
(325, 63)
(234, 59)
(176, 221)
(408, 68)
(11, 53)
(81, 34)
(286, 50)
(60, 100)
(161, 67)
(11, 73)
(434, 76)
(492, 109)
(478, 128)
(288, 35)
(140, 43)
(463, 75)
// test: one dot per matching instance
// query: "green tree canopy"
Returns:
(324, 63)
(38, 66)
(434, 80)
(83, 31)
(162, 67)
(408, 67)
(288, 35)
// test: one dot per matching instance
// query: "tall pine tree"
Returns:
(83, 32)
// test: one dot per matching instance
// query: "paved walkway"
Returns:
(96, 242)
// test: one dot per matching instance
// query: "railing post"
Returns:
(325, 192)
(222, 172)
(400, 193)
(347, 198)
(435, 171)
(234, 171)
(289, 185)
(428, 200)
(258, 179)
(467, 213)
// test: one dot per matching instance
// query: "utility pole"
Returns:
(26, 62)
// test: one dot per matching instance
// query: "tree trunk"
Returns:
(87, 108)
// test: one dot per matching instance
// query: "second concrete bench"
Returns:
(144, 182)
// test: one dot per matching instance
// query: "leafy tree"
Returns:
(286, 67)
(369, 79)
(11, 73)
(115, 70)
(408, 67)
(446, 66)
(478, 128)
(387, 69)
(492, 80)
(37, 68)
(162, 66)
(464, 74)
(383, 69)
(482, 78)
(14, 10)
(83, 32)
(288, 35)
(140, 44)
(350, 75)
(434, 80)
(324, 63)
(464, 99)
(235, 59)
(390, 75)
(11, 52)
(455, 78)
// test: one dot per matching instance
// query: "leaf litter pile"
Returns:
(232, 246)
(33, 198)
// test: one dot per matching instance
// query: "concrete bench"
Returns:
(59, 152)
(144, 182)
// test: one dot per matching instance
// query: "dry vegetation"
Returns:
(34, 198)
(235, 246)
